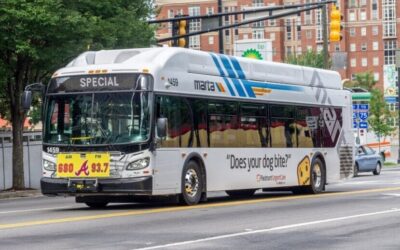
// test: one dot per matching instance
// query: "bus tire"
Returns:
(317, 177)
(241, 193)
(96, 204)
(192, 184)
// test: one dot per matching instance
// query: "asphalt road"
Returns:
(361, 213)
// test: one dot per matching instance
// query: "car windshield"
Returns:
(97, 118)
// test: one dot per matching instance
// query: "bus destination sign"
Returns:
(91, 83)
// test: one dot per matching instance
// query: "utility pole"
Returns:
(325, 35)
(220, 32)
(398, 99)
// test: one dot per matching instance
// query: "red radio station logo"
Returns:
(84, 169)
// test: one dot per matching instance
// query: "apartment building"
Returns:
(370, 34)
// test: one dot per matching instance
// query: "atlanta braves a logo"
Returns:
(84, 169)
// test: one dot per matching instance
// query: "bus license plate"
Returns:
(75, 165)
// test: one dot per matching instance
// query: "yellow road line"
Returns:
(183, 208)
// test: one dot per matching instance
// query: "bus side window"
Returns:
(283, 131)
(199, 109)
(179, 121)
(167, 107)
(306, 124)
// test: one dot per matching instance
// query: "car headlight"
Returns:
(139, 164)
(48, 165)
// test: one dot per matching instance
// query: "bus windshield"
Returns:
(97, 118)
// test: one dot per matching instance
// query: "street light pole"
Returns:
(398, 100)
(220, 32)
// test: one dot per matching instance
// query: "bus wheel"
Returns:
(317, 177)
(241, 193)
(192, 184)
(96, 204)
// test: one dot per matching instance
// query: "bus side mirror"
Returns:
(162, 127)
(26, 100)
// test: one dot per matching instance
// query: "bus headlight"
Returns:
(139, 164)
(48, 165)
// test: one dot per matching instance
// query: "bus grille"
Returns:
(346, 161)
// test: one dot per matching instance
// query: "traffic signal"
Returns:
(180, 27)
(335, 25)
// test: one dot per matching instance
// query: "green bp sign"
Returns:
(252, 53)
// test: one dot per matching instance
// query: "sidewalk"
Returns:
(9, 194)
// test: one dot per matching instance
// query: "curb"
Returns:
(19, 194)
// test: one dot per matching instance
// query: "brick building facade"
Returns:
(369, 37)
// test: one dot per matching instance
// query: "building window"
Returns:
(352, 3)
(258, 33)
(375, 61)
(352, 16)
(318, 22)
(352, 47)
(364, 47)
(210, 10)
(364, 62)
(288, 51)
(376, 76)
(353, 62)
(374, 10)
(337, 47)
(288, 29)
(363, 15)
(309, 34)
(363, 31)
(271, 22)
(352, 31)
(389, 18)
(390, 51)
(375, 45)
(363, 2)
(194, 25)
(210, 40)
(258, 3)
(375, 30)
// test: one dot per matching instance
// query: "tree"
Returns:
(310, 59)
(39, 36)
(379, 115)
(364, 80)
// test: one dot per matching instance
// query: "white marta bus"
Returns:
(178, 122)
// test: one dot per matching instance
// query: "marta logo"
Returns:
(209, 86)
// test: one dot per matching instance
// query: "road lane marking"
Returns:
(267, 230)
(185, 208)
(33, 210)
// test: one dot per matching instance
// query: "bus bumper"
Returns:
(57, 186)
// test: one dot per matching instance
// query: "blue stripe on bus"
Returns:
(238, 68)
(239, 87)
(228, 67)
(215, 59)
(228, 84)
(249, 84)
(249, 89)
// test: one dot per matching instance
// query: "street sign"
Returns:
(363, 115)
(354, 124)
(363, 125)
(355, 106)
(363, 106)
